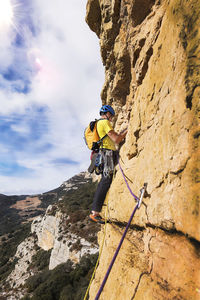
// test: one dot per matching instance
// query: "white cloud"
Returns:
(68, 79)
(6, 54)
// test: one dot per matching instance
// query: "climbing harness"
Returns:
(105, 162)
(139, 201)
(108, 162)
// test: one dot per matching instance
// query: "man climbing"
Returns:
(109, 157)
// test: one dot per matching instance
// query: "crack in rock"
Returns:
(181, 169)
(139, 280)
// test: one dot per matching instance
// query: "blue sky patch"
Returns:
(16, 81)
(64, 161)
(22, 132)
(11, 74)
(13, 169)
(19, 41)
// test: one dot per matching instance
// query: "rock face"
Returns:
(61, 251)
(64, 229)
(50, 231)
(151, 53)
(24, 254)
(46, 228)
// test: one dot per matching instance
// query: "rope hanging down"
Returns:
(100, 252)
(101, 247)
(139, 201)
(136, 198)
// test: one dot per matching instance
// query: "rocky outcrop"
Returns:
(46, 228)
(51, 234)
(64, 250)
(150, 50)
(63, 234)
(23, 257)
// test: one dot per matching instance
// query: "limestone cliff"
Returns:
(151, 53)
(51, 234)
(60, 240)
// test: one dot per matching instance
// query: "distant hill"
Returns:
(71, 201)
(9, 217)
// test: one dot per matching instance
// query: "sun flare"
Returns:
(6, 13)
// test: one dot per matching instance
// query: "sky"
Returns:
(51, 76)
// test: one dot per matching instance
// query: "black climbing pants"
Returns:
(101, 192)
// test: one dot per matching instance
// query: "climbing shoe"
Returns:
(97, 219)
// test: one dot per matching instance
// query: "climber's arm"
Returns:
(117, 137)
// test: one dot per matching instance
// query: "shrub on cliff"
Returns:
(77, 204)
(64, 282)
(40, 260)
(8, 249)
(80, 199)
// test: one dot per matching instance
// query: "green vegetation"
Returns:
(8, 249)
(47, 199)
(62, 283)
(40, 260)
(9, 218)
(79, 199)
(66, 281)
(77, 205)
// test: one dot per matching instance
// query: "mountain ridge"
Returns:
(61, 235)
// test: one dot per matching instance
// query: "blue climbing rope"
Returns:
(139, 201)
(136, 198)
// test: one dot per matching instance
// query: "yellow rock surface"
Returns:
(151, 53)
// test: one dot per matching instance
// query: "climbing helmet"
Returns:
(107, 108)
